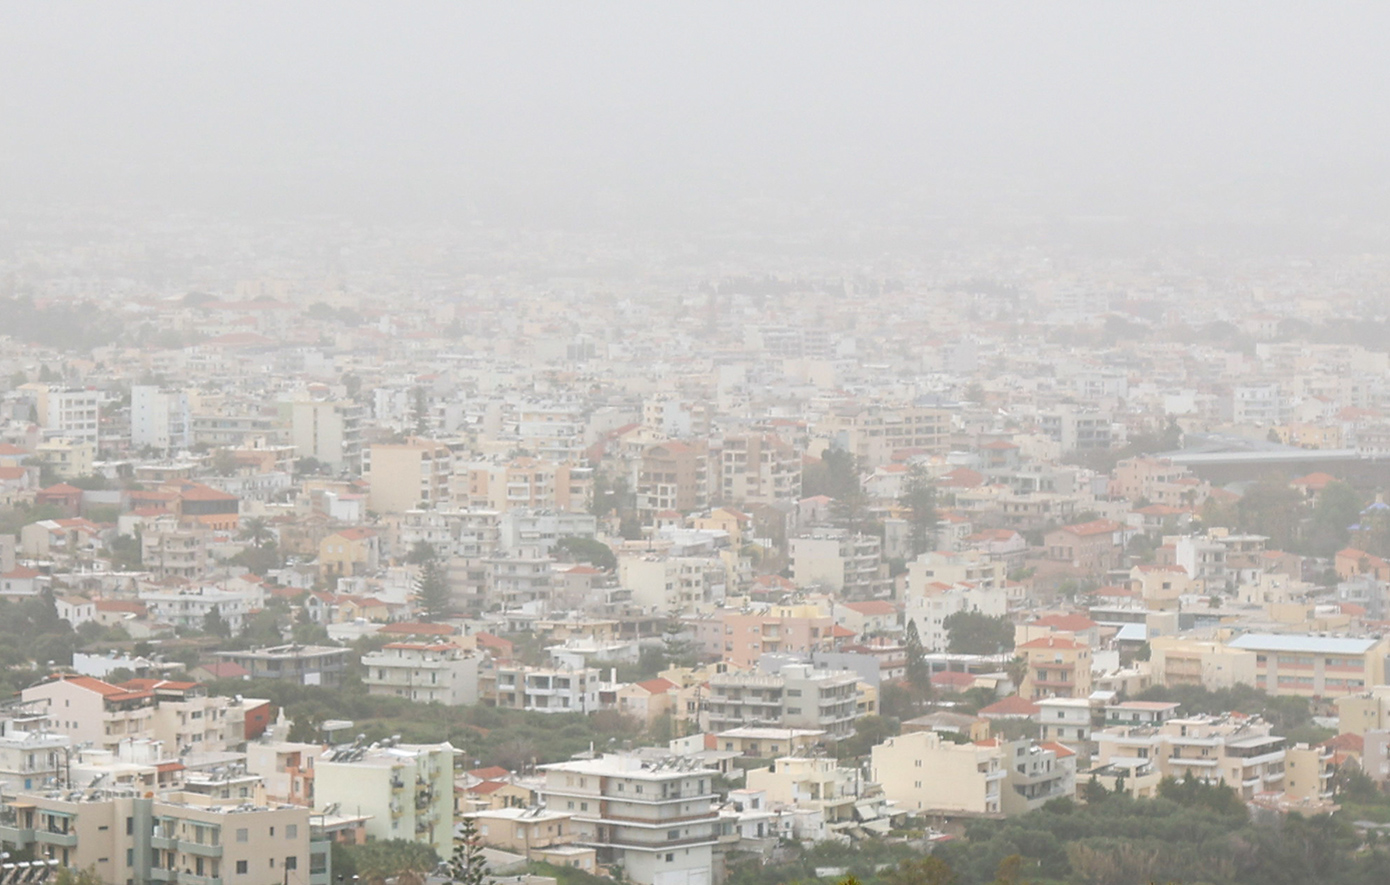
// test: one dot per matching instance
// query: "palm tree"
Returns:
(257, 531)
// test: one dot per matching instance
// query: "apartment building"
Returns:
(31, 755)
(522, 527)
(73, 413)
(452, 533)
(1178, 661)
(928, 605)
(1308, 773)
(68, 457)
(519, 577)
(849, 564)
(926, 774)
(536, 834)
(742, 637)
(1092, 547)
(657, 819)
(406, 790)
(132, 837)
(547, 689)
(160, 418)
(1314, 666)
(755, 469)
(1057, 667)
(799, 696)
(404, 476)
(672, 584)
(427, 672)
(1077, 430)
(91, 711)
(304, 664)
(815, 783)
(329, 431)
(672, 476)
(532, 483)
(351, 551)
(873, 433)
(1232, 748)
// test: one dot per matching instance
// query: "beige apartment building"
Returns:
(1232, 748)
(404, 476)
(1315, 666)
(183, 837)
(926, 774)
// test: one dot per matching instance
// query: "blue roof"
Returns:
(1302, 643)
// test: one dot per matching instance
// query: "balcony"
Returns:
(14, 835)
(201, 849)
(61, 840)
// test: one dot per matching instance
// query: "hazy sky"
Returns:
(562, 111)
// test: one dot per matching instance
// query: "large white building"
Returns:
(657, 819)
(406, 789)
(427, 672)
(160, 418)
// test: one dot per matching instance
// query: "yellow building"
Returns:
(1175, 661)
(536, 833)
(407, 475)
(1367, 711)
(925, 774)
(1314, 666)
(1058, 667)
(67, 457)
(349, 552)
(1308, 773)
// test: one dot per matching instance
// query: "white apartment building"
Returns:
(664, 584)
(548, 689)
(838, 561)
(160, 418)
(657, 819)
(432, 673)
(31, 756)
(407, 789)
(798, 696)
(1232, 749)
(330, 431)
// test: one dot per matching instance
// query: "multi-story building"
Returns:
(428, 672)
(1232, 748)
(1092, 547)
(406, 789)
(190, 608)
(548, 689)
(404, 476)
(74, 413)
(328, 431)
(927, 774)
(130, 836)
(849, 564)
(1057, 667)
(928, 604)
(672, 584)
(304, 664)
(873, 433)
(755, 469)
(160, 418)
(31, 756)
(535, 833)
(1308, 773)
(1315, 666)
(525, 482)
(672, 476)
(91, 711)
(1177, 661)
(67, 456)
(1077, 430)
(814, 783)
(798, 696)
(541, 529)
(522, 576)
(743, 637)
(657, 819)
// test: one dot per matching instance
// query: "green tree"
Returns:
(929, 870)
(467, 865)
(421, 410)
(215, 625)
(382, 859)
(256, 529)
(919, 497)
(918, 674)
(420, 553)
(973, 633)
(1338, 507)
(432, 591)
(588, 550)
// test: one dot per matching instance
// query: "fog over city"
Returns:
(687, 113)
(724, 443)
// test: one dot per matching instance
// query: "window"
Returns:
(243, 834)
(272, 832)
(673, 834)
(130, 826)
(671, 858)
(292, 831)
(292, 862)
(241, 869)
